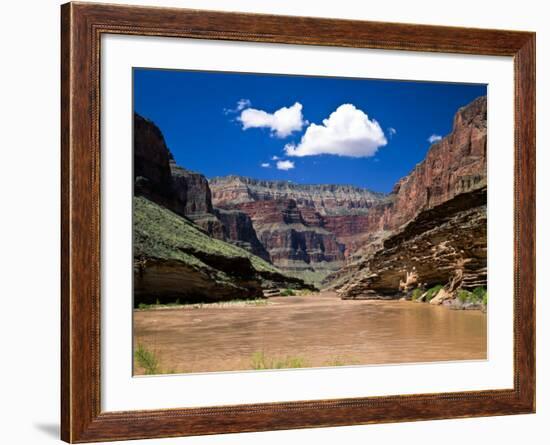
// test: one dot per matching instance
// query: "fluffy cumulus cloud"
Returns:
(282, 122)
(434, 138)
(265, 164)
(285, 165)
(348, 131)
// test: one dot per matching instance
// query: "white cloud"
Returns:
(282, 122)
(392, 131)
(434, 138)
(241, 105)
(275, 158)
(348, 131)
(285, 165)
(265, 164)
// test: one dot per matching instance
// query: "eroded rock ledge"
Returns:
(446, 244)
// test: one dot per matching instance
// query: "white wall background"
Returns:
(29, 222)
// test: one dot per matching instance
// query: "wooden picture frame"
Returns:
(82, 26)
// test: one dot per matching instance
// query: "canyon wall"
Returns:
(187, 193)
(435, 227)
(446, 244)
(308, 230)
(453, 165)
(184, 248)
(334, 234)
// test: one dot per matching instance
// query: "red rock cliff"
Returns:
(185, 192)
(307, 229)
(448, 190)
(456, 164)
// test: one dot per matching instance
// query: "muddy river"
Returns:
(306, 331)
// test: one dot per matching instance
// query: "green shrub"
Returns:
(261, 361)
(432, 292)
(416, 294)
(147, 360)
(335, 362)
(290, 362)
(464, 296)
(480, 294)
(288, 293)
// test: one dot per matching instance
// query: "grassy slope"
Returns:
(160, 233)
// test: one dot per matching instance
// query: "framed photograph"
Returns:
(275, 222)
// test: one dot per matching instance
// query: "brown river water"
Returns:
(309, 331)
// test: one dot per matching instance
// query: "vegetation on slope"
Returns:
(175, 259)
(161, 234)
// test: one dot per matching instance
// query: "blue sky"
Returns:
(323, 130)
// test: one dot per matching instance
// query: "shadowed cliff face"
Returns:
(239, 229)
(185, 192)
(152, 176)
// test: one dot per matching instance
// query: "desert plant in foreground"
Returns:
(335, 362)
(288, 293)
(260, 361)
(147, 360)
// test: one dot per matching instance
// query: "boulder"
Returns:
(442, 295)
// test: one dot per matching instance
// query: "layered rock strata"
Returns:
(180, 248)
(175, 259)
(453, 165)
(187, 193)
(308, 230)
(446, 244)
(417, 230)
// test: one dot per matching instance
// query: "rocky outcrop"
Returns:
(152, 175)
(454, 165)
(453, 170)
(239, 230)
(446, 244)
(175, 259)
(308, 230)
(326, 199)
(295, 239)
(187, 193)
(179, 237)
(193, 194)
(355, 231)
